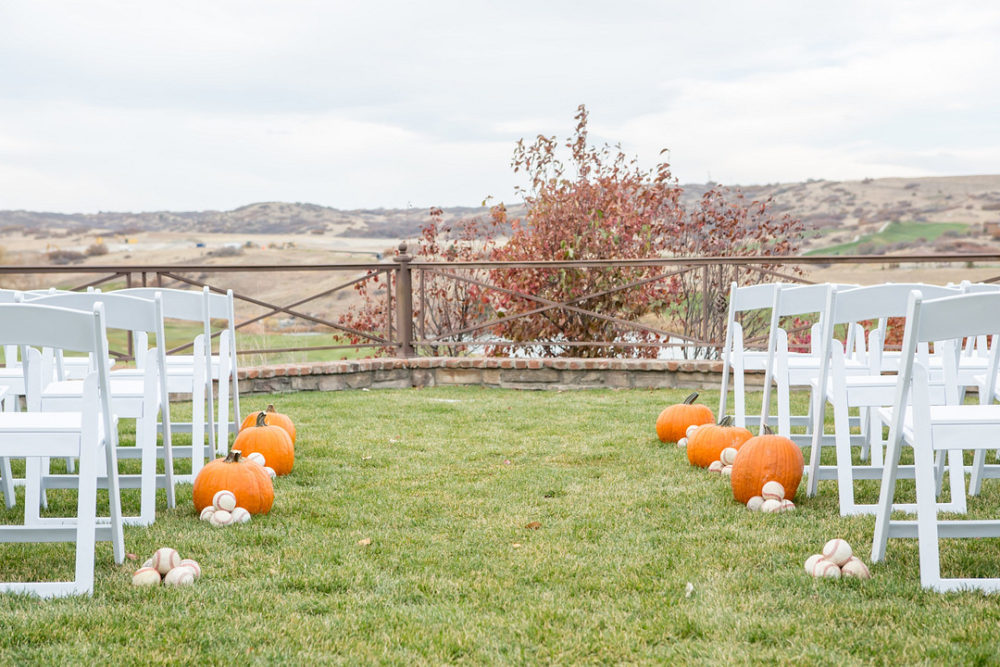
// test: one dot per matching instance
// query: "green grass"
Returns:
(444, 482)
(895, 232)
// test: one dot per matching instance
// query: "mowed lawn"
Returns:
(444, 482)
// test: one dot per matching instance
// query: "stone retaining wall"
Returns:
(560, 374)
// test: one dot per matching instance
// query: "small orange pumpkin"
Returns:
(248, 481)
(707, 443)
(274, 418)
(762, 459)
(272, 442)
(673, 422)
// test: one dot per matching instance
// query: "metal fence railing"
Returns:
(304, 311)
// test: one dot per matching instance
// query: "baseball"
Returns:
(811, 562)
(855, 567)
(193, 564)
(770, 505)
(224, 500)
(206, 514)
(837, 551)
(221, 518)
(146, 576)
(165, 559)
(754, 503)
(257, 457)
(728, 455)
(787, 505)
(773, 490)
(180, 576)
(825, 568)
(148, 563)
(270, 471)
(727, 471)
(240, 515)
(683, 442)
(715, 466)
(690, 430)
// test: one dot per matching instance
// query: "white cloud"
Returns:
(184, 104)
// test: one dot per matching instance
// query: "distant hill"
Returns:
(836, 212)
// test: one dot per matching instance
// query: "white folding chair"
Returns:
(789, 371)
(135, 394)
(865, 390)
(221, 367)
(929, 428)
(80, 433)
(737, 359)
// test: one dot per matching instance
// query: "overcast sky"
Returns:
(212, 104)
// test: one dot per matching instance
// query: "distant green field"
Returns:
(896, 232)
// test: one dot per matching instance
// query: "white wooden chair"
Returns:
(929, 428)
(865, 391)
(790, 371)
(138, 395)
(221, 367)
(81, 433)
(737, 359)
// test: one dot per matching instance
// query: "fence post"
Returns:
(404, 302)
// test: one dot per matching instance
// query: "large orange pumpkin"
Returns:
(762, 459)
(272, 442)
(248, 481)
(673, 422)
(273, 418)
(707, 443)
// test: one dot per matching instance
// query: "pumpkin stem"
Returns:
(767, 430)
(270, 408)
(726, 421)
(233, 456)
(261, 419)
(691, 399)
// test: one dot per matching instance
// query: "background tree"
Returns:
(601, 206)
(598, 205)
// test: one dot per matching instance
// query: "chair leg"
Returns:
(198, 451)
(927, 533)
(845, 463)
(86, 520)
(976, 480)
(146, 439)
(7, 482)
(114, 492)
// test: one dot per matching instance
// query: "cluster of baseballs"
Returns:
(683, 442)
(836, 561)
(167, 566)
(724, 465)
(771, 499)
(257, 457)
(223, 510)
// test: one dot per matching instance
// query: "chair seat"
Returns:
(50, 422)
(955, 426)
(120, 388)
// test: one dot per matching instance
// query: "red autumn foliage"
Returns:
(600, 205)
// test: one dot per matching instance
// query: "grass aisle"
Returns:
(444, 482)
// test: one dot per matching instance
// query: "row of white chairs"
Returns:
(857, 374)
(50, 383)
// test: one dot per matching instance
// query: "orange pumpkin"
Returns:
(673, 422)
(762, 459)
(248, 481)
(707, 443)
(274, 418)
(272, 442)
